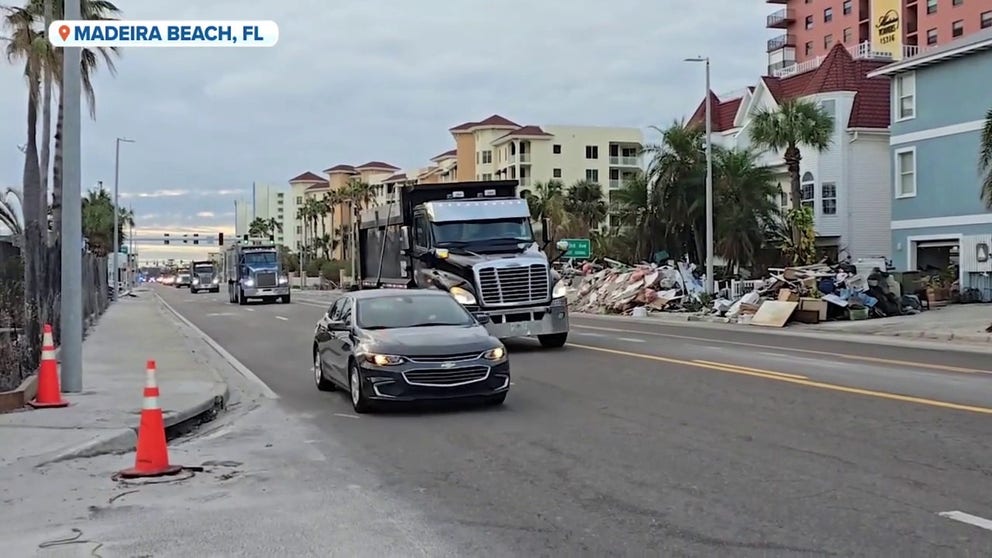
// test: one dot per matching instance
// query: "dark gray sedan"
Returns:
(404, 345)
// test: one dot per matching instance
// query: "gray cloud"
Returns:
(354, 80)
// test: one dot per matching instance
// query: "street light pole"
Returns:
(71, 323)
(117, 248)
(709, 176)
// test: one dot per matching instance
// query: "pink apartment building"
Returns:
(809, 28)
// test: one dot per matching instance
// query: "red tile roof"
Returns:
(395, 178)
(340, 168)
(307, 177)
(445, 155)
(317, 187)
(723, 113)
(376, 165)
(527, 131)
(493, 121)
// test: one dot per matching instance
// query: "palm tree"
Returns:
(258, 228)
(546, 200)
(358, 195)
(636, 213)
(11, 216)
(985, 159)
(746, 206)
(795, 123)
(585, 201)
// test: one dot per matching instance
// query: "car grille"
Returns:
(446, 378)
(514, 285)
(265, 279)
(445, 358)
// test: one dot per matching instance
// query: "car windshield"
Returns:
(399, 311)
(260, 258)
(467, 232)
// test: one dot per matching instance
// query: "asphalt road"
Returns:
(667, 441)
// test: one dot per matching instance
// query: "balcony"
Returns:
(624, 161)
(526, 182)
(523, 157)
(782, 41)
(862, 51)
(615, 183)
(779, 66)
(781, 19)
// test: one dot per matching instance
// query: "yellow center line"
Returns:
(941, 367)
(746, 369)
(800, 381)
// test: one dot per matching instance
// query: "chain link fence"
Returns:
(21, 323)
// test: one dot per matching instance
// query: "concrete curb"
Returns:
(925, 341)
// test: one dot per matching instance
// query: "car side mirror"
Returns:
(337, 325)
(482, 318)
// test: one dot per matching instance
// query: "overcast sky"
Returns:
(358, 80)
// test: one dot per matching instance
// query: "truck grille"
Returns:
(514, 285)
(205, 278)
(265, 279)
(446, 378)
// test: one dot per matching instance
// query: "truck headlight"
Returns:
(249, 282)
(497, 353)
(560, 290)
(196, 281)
(463, 297)
(283, 280)
(216, 280)
(383, 360)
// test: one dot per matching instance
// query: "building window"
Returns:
(783, 198)
(828, 41)
(957, 28)
(932, 36)
(487, 157)
(986, 20)
(299, 229)
(848, 7)
(592, 152)
(807, 190)
(556, 173)
(809, 48)
(487, 176)
(957, 2)
(906, 173)
(829, 106)
(905, 96)
(931, 6)
(848, 35)
(556, 149)
(828, 198)
(809, 22)
(592, 175)
(828, 15)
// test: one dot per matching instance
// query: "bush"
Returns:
(331, 270)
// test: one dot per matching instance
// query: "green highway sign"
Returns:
(579, 248)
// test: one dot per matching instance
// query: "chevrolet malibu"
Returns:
(386, 345)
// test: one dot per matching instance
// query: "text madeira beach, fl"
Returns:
(161, 33)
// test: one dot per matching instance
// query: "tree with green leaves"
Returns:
(585, 201)
(985, 160)
(745, 193)
(98, 221)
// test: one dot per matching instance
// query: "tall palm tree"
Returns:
(746, 205)
(637, 213)
(258, 228)
(11, 216)
(985, 159)
(358, 195)
(546, 200)
(585, 201)
(796, 123)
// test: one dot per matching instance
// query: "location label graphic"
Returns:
(164, 33)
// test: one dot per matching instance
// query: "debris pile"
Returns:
(620, 289)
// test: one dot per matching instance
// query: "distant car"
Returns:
(387, 345)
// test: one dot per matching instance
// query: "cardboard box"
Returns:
(786, 295)
(817, 305)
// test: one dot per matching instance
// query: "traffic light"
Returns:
(167, 238)
(196, 238)
(220, 239)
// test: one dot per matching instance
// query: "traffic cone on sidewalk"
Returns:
(152, 458)
(49, 391)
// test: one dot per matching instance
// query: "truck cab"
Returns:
(252, 270)
(474, 240)
(204, 277)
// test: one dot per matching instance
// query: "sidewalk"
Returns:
(959, 322)
(104, 417)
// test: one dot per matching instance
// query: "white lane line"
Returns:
(967, 518)
(630, 339)
(776, 355)
(250, 309)
(588, 334)
(346, 415)
(283, 318)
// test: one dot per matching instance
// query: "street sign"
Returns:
(579, 248)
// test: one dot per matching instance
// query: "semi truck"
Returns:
(252, 270)
(205, 277)
(474, 240)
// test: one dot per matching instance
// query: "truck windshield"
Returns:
(390, 312)
(203, 269)
(260, 258)
(481, 232)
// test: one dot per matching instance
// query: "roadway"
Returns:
(643, 439)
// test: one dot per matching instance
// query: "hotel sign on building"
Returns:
(886, 27)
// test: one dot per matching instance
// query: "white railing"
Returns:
(740, 288)
(624, 161)
(862, 51)
(615, 183)
(525, 182)
(523, 157)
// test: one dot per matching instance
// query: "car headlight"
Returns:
(463, 297)
(560, 290)
(383, 360)
(283, 280)
(497, 353)
(249, 282)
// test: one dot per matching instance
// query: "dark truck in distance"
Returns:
(204, 277)
(252, 270)
(474, 240)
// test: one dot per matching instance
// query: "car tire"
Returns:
(553, 340)
(496, 400)
(323, 384)
(359, 401)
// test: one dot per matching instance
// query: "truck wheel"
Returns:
(241, 297)
(553, 340)
(285, 299)
(193, 291)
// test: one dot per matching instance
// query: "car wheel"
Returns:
(496, 400)
(553, 340)
(359, 401)
(323, 384)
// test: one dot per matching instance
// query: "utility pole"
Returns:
(709, 177)
(117, 248)
(72, 215)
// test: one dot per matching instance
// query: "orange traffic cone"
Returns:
(152, 458)
(49, 391)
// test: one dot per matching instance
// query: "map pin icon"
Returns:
(64, 32)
